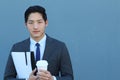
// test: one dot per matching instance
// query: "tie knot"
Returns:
(37, 44)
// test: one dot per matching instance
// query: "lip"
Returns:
(36, 31)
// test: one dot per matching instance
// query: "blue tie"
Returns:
(37, 51)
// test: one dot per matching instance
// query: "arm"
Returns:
(10, 71)
(66, 71)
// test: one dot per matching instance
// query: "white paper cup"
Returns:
(42, 64)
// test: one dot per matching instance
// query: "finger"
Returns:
(45, 75)
(32, 76)
(43, 78)
(33, 72)
(45, 71)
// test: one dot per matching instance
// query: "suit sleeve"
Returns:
(10, 71)
(66, 72)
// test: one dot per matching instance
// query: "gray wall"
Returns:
(90, 29)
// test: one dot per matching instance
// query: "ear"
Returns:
(25, 24)
(46, 22)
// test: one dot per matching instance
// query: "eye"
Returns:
(39, 21)
(30, 22)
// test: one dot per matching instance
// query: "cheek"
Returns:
(42, 28)
(29, 28)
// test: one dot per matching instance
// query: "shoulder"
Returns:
(22, 45)
(54, 41)
(23, 42)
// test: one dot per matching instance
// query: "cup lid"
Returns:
(42, 63)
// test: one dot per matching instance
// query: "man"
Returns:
(52, 50)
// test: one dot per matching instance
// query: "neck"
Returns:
(37, 39)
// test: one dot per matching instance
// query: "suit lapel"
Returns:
(27, 45)
(48, 48)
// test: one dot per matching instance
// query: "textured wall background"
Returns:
(90, 29)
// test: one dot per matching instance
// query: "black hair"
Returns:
(33, 9)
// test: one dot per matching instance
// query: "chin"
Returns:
(36, 36)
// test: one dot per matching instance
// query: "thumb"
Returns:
(34, 71)
(32, 75)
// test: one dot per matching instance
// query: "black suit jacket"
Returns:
(55, 53)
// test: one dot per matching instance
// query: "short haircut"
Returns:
(33, 9)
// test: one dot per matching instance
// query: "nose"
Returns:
(35, 26)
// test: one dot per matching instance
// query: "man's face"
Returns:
(36, 25)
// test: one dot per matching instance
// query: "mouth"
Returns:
(36, 32)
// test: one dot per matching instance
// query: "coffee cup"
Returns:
(42, 64)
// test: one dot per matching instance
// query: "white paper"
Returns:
(23, 69)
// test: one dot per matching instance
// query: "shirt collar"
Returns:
(41, 42)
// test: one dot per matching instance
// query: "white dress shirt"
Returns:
(42, 43)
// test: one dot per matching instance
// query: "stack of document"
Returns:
(22, 62)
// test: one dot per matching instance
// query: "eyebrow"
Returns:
(36, 20)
